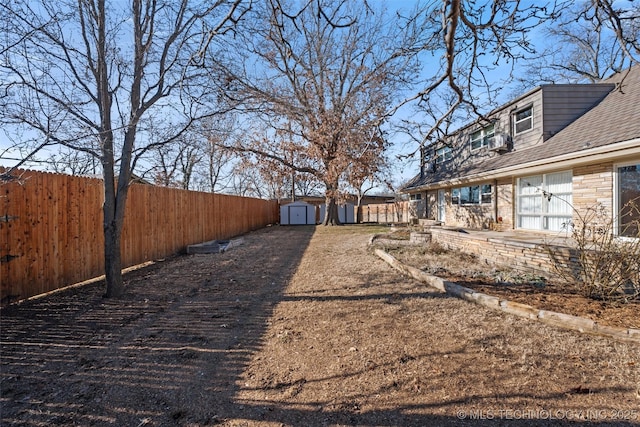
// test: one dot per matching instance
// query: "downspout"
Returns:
(422, 161)
(513, 197)
(495, 201)
(513, 110)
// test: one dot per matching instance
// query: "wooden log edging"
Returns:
(552, 318)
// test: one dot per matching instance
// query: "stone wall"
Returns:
(593, 186)
(528, 257)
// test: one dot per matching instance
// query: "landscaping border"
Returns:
(552, 318)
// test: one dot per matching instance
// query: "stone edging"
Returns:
(552, 318)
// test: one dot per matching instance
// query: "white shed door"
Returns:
(297, 215)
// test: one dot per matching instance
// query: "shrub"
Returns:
(599, 262)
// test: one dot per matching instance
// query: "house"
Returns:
(539, 160)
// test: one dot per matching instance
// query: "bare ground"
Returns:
(299, 326)
(542, 292)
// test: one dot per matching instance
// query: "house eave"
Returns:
(611, 152)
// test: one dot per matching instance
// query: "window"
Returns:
(443, 154)
(485, 193)
(482, 137)
(473, 195)
(466, 195)
(628, 200)
(524, 120)
(544, 201)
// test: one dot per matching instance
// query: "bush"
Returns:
(601, 264)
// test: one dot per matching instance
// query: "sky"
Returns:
(401, 144)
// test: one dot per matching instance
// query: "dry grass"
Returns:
(300, 326)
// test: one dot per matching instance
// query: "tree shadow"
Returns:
(173, 350)
(168, 352)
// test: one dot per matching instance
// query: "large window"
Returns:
(544, 201)
(473, 195)
(628, 200)
(523, 120)
(482, 137)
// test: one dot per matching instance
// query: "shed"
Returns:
(346, 213)
(297, 213)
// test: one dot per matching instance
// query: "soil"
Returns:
(542, 292)
(299, 326)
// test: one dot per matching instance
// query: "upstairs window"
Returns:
(524, 120)
(443, 154)
(482, 138)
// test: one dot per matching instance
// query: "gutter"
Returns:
(617, 151)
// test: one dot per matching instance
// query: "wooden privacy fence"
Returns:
(51, 227)
(386, 212)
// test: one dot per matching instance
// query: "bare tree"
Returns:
(94, 76)
(475, 40)
(472, 41)
(329, 71)
(583, 45)
(245, 179)
(269, 158)
(197, 159)
(367, 171)
(212, 171)
(72, 162)
(173, 165)
(215, 166)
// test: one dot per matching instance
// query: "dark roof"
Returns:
(615, 119)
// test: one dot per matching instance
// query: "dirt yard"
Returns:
(300, 326)
(502, 281)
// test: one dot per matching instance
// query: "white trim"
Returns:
(616, 196)
(545, 212)
(515, 121)
(611, 152)
(484, 136)
(480, 194)
(441, 203)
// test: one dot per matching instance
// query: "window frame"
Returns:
(455, 194)
(516, 122)
(479, 190)
(617, 198)
(443, 155)
(486, 134)
(541, 203)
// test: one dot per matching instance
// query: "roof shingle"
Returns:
(613, 120)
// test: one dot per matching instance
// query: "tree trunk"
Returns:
(331, 215)
(112, 260)
(359, 209)
(115, 197)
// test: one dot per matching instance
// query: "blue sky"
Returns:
(402, 144)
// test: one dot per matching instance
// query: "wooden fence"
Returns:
(386, 212)
(51, 227)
